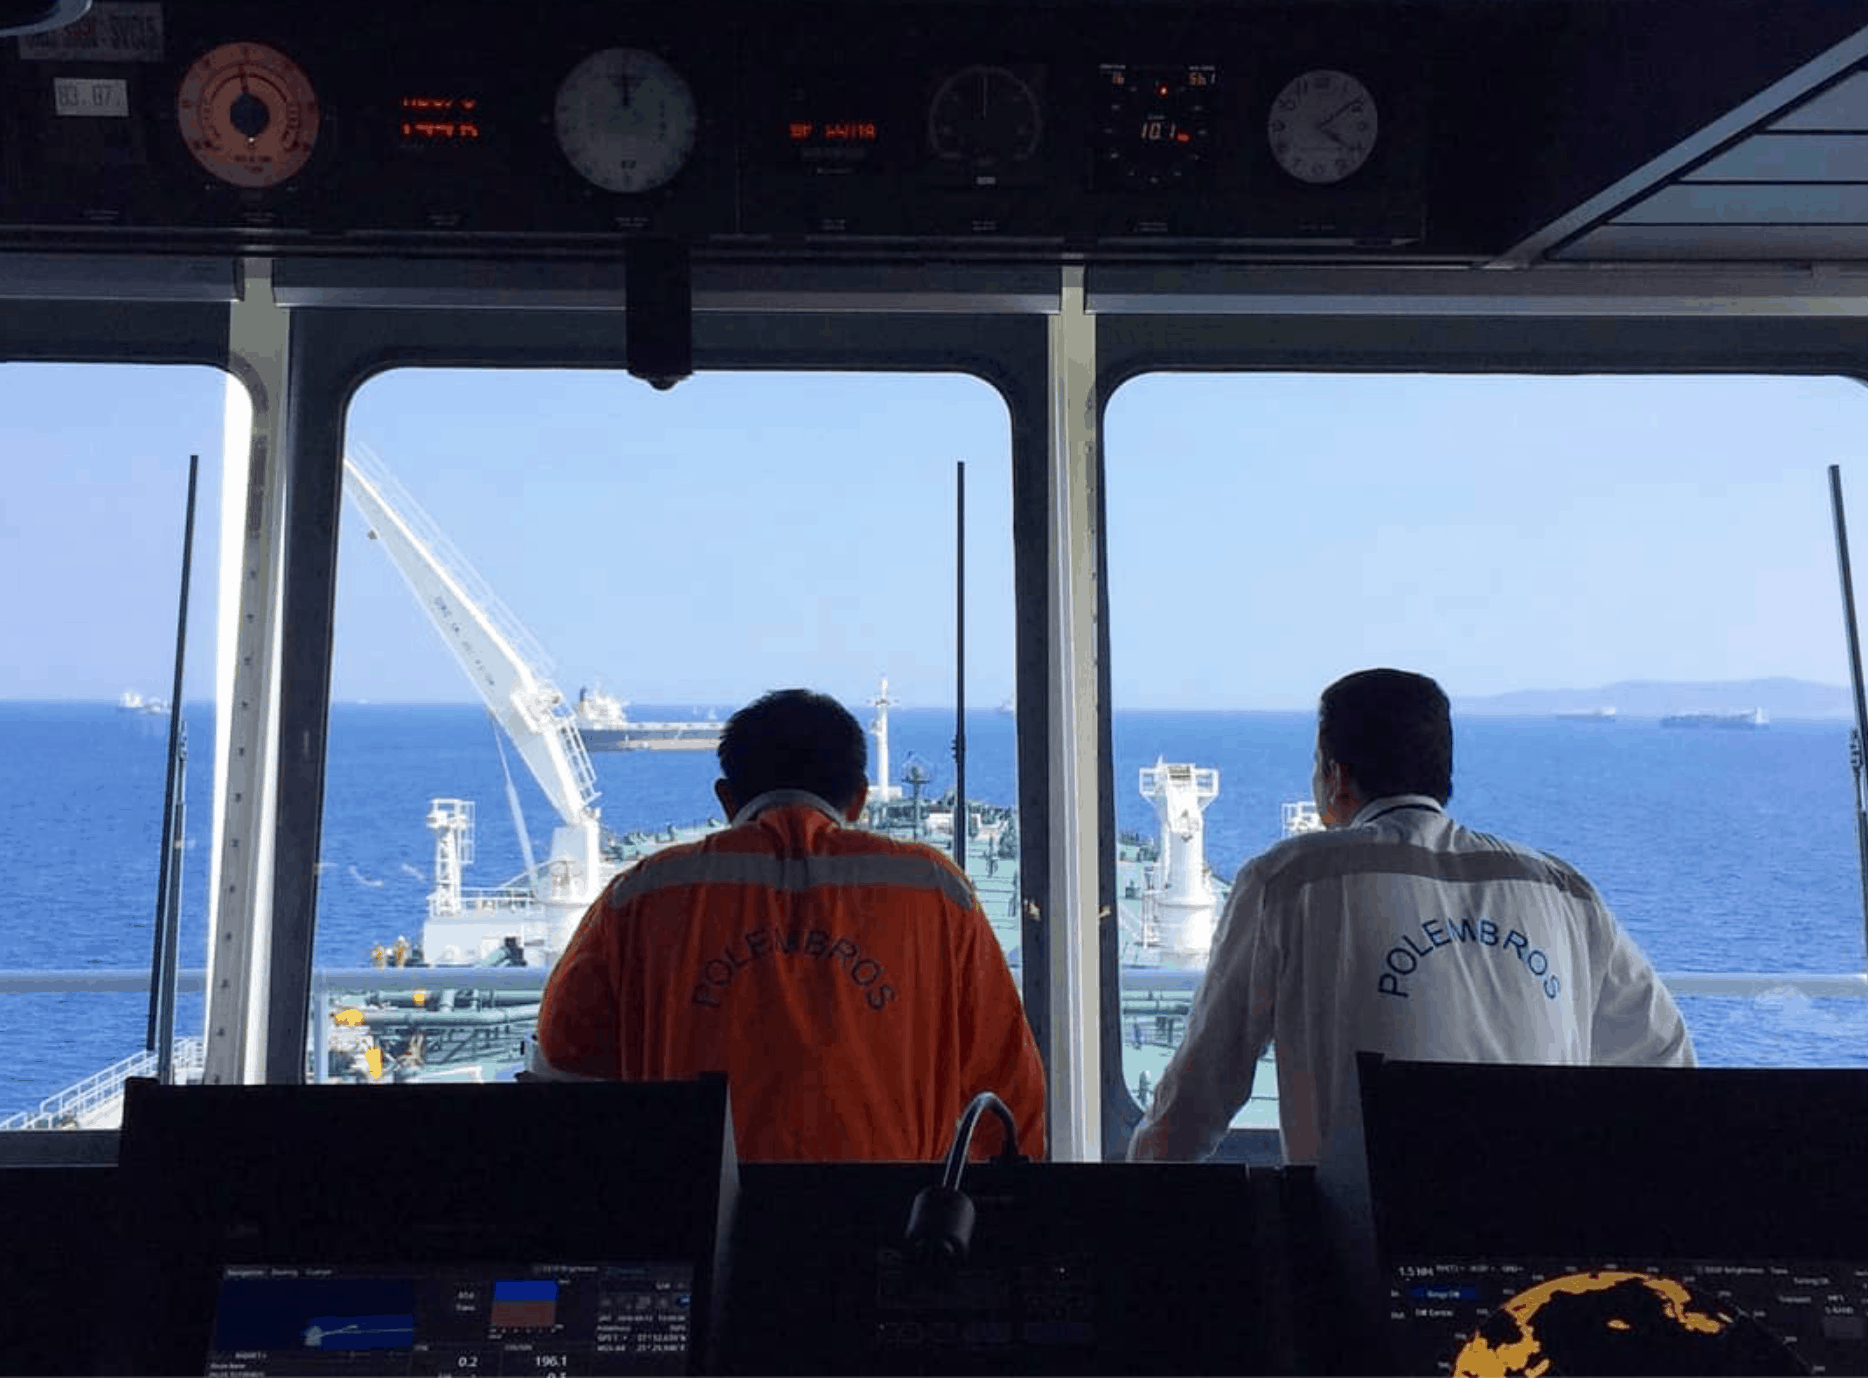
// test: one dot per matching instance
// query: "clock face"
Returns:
(984, 118)
(625, 119)
(1322, 127)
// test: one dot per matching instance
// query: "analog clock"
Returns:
(1322, 126)
(625, 119)
(248, 114)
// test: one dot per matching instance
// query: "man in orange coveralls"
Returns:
(846, 982)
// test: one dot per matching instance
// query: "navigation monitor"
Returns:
(1554, 1219)
(484, 1321)
(1628, 1315)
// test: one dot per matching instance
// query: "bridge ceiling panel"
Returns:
(1327, 130)
(1792, 185)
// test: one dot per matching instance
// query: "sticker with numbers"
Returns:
(105, 96)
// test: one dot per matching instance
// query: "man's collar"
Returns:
(781, 798)
(1375, 808)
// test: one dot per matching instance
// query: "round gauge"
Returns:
(248, 114)
(986, 117)
(1157, 125)
(1322, 126)
(625, 119)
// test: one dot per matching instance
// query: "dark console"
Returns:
(1481, 1219)
(1587, 1219)
(539, 1228)
(744, 130)
(1074, 1268)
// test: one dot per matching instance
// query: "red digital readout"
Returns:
(440, 120)
(1160, 131)
(833, 131)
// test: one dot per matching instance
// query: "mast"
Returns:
(883, 790)
(959, 662)
(161, 1035)
(1856, 736)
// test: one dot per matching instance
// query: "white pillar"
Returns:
(1183, 899)
(1075, 1109)
(246, 719)
(884, 790)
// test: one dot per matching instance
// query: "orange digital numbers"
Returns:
(833, 131)
(431, 119)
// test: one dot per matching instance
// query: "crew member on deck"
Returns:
(1397, 931)
(846, 982)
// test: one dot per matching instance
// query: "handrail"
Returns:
(1822, 985)
(67, 1109)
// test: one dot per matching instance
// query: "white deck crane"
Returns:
(511, 673)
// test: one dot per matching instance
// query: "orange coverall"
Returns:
(847, 983)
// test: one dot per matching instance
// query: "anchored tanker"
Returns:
(606, 726)
(1751, 718)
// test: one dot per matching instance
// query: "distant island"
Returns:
(1647, 698)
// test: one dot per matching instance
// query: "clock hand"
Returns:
(1336, 114)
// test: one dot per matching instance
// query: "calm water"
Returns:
(1721, 851)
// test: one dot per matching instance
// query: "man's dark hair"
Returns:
(1392, 731)
(794, 739)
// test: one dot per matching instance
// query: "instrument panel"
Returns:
(726, 126)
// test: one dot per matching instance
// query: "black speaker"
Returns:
(658, 329)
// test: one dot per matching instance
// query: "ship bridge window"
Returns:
(1628, 588)
(91, 548)
(608, 572)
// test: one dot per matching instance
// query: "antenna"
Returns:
(161, 1035)
(1855, 671)
(959, 664)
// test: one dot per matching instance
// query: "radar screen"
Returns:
(1555, 1316)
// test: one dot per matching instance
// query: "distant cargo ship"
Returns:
(1752, 718)
(1588, 714)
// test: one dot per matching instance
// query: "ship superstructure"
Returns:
(1178, 905)
(604, 721)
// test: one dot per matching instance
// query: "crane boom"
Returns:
(505, 665)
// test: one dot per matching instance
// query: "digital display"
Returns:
(833, 131)
(1626, 1315)
(438, 120)
(840, 143)
(1156, 124)
(483, 1321)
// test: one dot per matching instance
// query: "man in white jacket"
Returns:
(1397, 931)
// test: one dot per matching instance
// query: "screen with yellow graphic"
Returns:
(1556, 1316)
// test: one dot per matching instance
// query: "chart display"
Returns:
(1628, 1315)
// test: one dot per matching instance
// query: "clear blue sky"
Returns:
(1267, 533)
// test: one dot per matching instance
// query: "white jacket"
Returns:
(1401, 933)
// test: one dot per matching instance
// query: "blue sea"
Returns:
(1720, 850)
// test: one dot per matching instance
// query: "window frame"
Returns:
(1167, 323)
